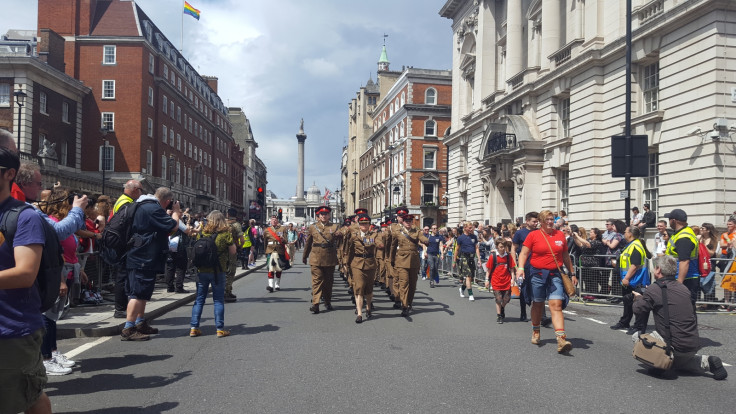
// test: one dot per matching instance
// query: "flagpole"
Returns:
(182, 28)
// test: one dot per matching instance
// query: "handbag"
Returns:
(566, 281)
(282, 259)
(652, 351)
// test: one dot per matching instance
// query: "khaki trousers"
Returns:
(407, 285)
(395, 289)
(322, 278)
(381, 270)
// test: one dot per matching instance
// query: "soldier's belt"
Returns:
(365, 256)
(324, 245)
(273, 243)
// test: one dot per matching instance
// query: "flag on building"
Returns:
(327, 194)
(188, 9)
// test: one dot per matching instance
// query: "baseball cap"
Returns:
(677, 214)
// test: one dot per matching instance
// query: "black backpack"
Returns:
(205, 252)
(48, 279)
(116, 236)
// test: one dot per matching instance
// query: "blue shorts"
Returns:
(546, 285)
(141, 284)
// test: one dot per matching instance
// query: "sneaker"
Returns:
(146, 329)
(716, 367)
(462, 294)
(619, 326)
(221, 333)
(195, 332)
(499, 319)
(120, 314)
(54, 368)
(62, 360)
(471, 298)
(132, 334)
(424, 277)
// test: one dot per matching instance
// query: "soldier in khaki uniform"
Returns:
(362, 258)
(321, 250)
(274, 239)
(237, 231)
(405, 258)
(380, 261)
(401, 212)
(345, 229)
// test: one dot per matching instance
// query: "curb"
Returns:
(115, 329)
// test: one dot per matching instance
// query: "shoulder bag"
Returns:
(566, 281)
(652, 351)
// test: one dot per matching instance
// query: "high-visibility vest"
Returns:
(641, 277)
(687, 232)
(246, 238)
(123, 199)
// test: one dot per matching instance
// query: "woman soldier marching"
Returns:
(362, 258)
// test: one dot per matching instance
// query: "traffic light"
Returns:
(261, 197)
(281, 214)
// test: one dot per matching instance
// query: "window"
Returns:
(150, 96)
(430, 97)
(166, 72)
(563, 184)
(430, 128)
(166, 105)
(189, 150)
(179, 84)
(428, 193)
(429, 159)
(163, 166)
(41, 139)
(564, 114)
(151, 64)
(403, 98)
(171, 109)
(165, 134)
(178, 114)
(173, 78)
(651, 183)
(108, 121)
(107, 158)
(109, 55)
(64, 154)
(150, 128)
(149, 162)
(178, 172)
(43, 106)
(189, 177)
(178, 142)
(651, 88)
(4, 94)
(171, 137)
(65, 112)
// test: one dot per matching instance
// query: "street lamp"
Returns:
(355, 189)
(20, 98)
(104, 132)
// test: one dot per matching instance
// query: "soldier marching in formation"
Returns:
(362, 258)
(321, 250)
(405, 243)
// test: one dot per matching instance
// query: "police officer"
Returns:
(683, 246)
(362, 258)
(321, 250)
(405, 259)
(634, 276)
(237, 232)
(274, 239)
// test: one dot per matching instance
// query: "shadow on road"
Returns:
(110, 382)
(112, 363)
(158, 408)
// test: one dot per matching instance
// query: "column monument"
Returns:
(300, 204)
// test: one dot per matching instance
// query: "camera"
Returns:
(171, 205)
(70, 198)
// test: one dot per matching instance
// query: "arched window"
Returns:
(430, 128)
(401, 129)
(430, 96)
(403, 98)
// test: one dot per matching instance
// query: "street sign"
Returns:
(623, 195)
(639, 156)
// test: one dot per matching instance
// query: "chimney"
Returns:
(211, 81)
(51, 48)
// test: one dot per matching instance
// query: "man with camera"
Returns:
(683, 325)
(131, 191)
(150, 241)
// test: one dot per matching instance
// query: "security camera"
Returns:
(732, 127)
(694, 131)
(714, 134)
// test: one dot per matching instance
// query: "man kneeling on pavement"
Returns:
(683, 323)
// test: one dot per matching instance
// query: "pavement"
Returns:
(91, 321)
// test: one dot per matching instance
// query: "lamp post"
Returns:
(355, 190)
(104, 132)
(20, 98)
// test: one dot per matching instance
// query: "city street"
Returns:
(449, 356)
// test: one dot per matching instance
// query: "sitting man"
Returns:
(683, 324)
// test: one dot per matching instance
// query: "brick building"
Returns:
(52, 107)
(150, 115)
(405, 160)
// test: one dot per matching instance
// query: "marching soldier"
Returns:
(362, 258)
(380, 262)
(405, 259)
(401, 212)
(321, 249)
(237, 232)
(274, 239)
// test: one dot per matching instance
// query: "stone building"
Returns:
(539, 89)
(150, 115)
(254, 171)
(405, 160)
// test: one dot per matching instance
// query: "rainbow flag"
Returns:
(188, 9)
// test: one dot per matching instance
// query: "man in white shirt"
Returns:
(660, 239)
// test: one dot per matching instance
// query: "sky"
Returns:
(282, 61)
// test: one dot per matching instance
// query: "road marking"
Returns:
(596, 321)
(569, 312)
(86, 347)
(726, 365)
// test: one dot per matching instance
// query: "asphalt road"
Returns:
(449, 356)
